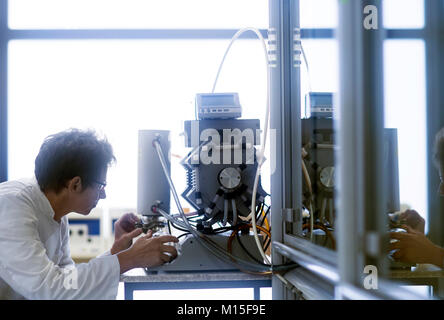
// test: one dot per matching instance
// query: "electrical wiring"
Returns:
(244, 226)
(201, 238)
(267, 225)
(267, 244)
(325, 229)
(245, 249)
(205, 241)
(236, 233)
(310, 190)
(177, 227)
(169, 217)
(183, 235)
(169, 226)
(260, 157)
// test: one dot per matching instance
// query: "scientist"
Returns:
(35, 262)
(413, 246)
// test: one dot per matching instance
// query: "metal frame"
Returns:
(286, 181)
(360, 141)
(7, 34)
(3, 90)
(284, 119)
(360, 135)
(434, 11)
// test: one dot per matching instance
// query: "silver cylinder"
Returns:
(152, 185)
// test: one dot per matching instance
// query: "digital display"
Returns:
(321, 99)
(218, 100)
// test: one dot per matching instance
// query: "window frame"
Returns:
(7, 34)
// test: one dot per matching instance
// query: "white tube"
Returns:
(264, 140)
(224, 223)
(233, 205)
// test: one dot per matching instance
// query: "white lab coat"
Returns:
(35, 260)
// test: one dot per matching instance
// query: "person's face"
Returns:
(88, 198)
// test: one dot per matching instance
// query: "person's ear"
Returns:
(75, 184)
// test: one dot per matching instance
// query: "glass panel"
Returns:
(403, 14)
(119, 87)
(319, 13)
(319, 82)
(321, 75)
(405, 110)
(134, 14)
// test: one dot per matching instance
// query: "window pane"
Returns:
(323, 74)
(401, 14)
(119, 87)
(134, 14)
(319, 13)
(405, 109)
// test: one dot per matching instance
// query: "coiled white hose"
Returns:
(264, 140)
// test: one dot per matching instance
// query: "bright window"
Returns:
(403, 14)
(137, 14)
(319, 13)
(117, 88)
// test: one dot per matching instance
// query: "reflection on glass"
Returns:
(405, 110)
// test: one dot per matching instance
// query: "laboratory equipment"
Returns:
(151, 182)
(220, 176)
(218, 106)
(318, 166)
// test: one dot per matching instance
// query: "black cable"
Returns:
(265, 216)
(259, 210)
(223, 229)
(259, 216)
(169, 226)
(245, 249)
(178, 228)
(183, 234)
(267, 245)
(290, 265)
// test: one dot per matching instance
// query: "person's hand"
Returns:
(124, 232)
(147, 252)
(412, 219)
(125, 241)
(414, 247)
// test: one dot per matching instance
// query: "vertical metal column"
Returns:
(3, 90)
(285, 122)
(359, 125)
(434, 11)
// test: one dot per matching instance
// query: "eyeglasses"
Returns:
(102, 185)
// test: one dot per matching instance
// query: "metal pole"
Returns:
(285, 122)
(359, 127)
(3, 90)
(434, 11)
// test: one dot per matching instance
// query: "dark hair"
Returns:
(71, 153)
(438, 155)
